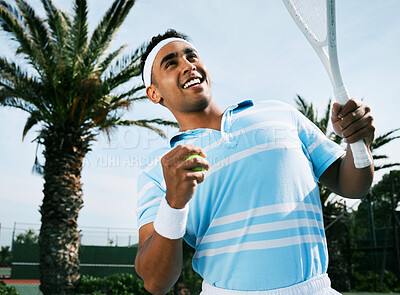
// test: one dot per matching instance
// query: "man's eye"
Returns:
(170, 63)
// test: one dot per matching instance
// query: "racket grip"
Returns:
(341, 94)
(361, 156)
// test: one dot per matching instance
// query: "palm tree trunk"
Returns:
(59, 238)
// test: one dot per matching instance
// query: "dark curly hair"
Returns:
(170, 33)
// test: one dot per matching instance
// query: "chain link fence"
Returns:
(103, 252)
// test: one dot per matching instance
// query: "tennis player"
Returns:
(252, 211)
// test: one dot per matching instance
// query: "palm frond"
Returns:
(379, 167)
(10, 101)
(34, 118)
(379, 157)
(12, 98)
(105, 125)
(109, 59)
(120, 104)
(324, 122)
(108, 26)
(117, 102)
(12, 10)
(37, 167)
(141, 123)
(39, 35)
(131, 92)
(124, 62)
(79, 34)
(66, 19)
(16, 28)
(57, 25)
(152, 121)
(17, 85)
(384, 139)
(306, 109)
(10, 70)
(113, 81)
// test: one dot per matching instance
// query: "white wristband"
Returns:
(170, 222)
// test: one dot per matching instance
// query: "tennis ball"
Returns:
(196, 168)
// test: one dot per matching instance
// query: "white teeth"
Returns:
(191, 82)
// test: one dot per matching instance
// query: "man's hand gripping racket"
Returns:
(316, 19)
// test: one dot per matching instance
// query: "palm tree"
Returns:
(70, 88)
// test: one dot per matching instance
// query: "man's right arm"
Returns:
(159, 259)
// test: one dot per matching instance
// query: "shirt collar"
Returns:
(177, 136)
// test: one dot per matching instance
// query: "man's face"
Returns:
(181, 78)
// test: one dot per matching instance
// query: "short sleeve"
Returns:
(151, 190)
(321, 150)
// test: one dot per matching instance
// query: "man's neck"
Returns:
(208, 118)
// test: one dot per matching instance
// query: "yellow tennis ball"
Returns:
(196, 168)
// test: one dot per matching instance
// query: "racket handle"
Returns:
(341, 95)
(362, 157)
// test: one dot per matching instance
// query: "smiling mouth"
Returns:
(193, 82)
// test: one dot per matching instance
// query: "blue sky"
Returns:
(252, 49)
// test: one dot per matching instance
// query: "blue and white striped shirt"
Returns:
(256, 220)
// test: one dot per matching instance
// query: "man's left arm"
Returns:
(353, 122)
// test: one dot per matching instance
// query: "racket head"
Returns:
(316, 19)
(311, 18)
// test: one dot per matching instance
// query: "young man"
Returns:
(253, 212)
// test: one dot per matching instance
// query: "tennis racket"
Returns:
(316, 19)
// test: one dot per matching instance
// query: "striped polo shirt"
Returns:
(256, 220)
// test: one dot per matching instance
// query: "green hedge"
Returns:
(119, 284)
(4, 290)
(369, 281)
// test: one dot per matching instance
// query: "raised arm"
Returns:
(353, 122)
(159, 258)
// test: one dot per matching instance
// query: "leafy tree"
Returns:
(5, 256)
(70, 87)
(381, 201)
(29, 237)
(380, 198)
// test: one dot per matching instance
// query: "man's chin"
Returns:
(200, 103)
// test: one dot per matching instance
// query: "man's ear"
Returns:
(153, 93)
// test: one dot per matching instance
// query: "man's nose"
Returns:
(188, 66)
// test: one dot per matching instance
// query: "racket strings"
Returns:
(313, 15)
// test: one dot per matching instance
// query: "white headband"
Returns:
(148, 65)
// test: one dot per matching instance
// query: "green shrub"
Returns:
(4, 290)
(370, 282)
(5, 256)
(119, 284)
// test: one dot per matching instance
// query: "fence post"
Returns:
(372, 233)
(12, 238)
